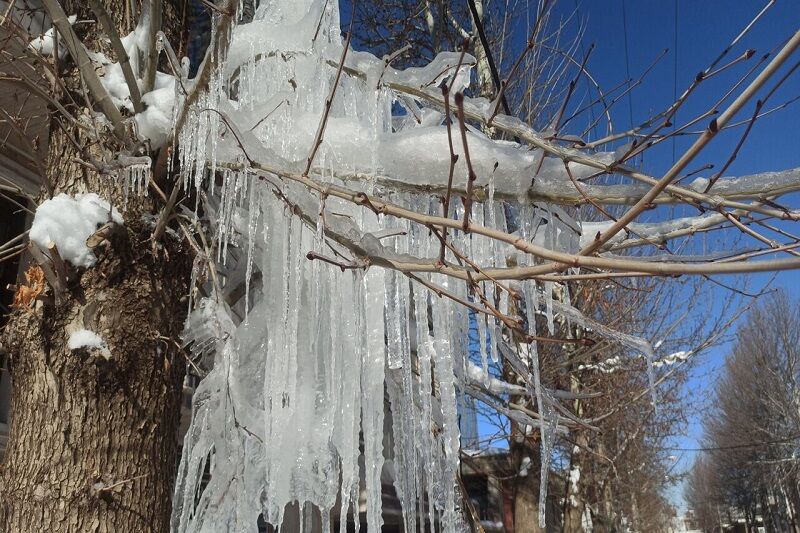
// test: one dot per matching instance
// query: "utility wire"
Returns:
(488, 52)
(784, 440)
(627, 62)
(675, 77)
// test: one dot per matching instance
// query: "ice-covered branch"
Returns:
(619, 264)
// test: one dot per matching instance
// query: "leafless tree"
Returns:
(752, 433)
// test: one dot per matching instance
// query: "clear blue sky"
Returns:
(701, 31)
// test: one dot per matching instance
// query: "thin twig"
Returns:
(328, 103)
(471, 177)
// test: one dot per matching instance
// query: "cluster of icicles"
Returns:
(328, 384)
(134, 175)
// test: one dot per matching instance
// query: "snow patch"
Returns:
(84, 338)
(606, 367)
(671, 359)
(45, 43)
(68, 221)
(155, 122)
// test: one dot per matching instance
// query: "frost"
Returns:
(66, 222)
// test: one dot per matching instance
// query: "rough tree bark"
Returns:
(93, 443)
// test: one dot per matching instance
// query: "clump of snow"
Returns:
(155, 121)
(45, 43)
(606, 367)
(574, 479)
(68, 221)
(84, 338)
(492, 384)
(671, 359)
(525, 466)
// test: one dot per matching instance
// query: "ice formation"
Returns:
(66, 222)
(332, 379)
(134, 173)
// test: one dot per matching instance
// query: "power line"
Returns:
(627, 62)
(784, 440)
(675, 77)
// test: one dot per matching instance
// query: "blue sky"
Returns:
(704, 28)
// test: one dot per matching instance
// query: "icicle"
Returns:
(134, 175)
(372, 390)
(548, 439)
(253, 213)
(481, 320)
(321, 220)
(445, 377)
(548, 302)
(547, 426)
(394, 322)
(649, 356)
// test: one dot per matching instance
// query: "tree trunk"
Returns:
(93, 443)
(526, 508)
(574, 504)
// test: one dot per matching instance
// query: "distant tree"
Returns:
(753, 430)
